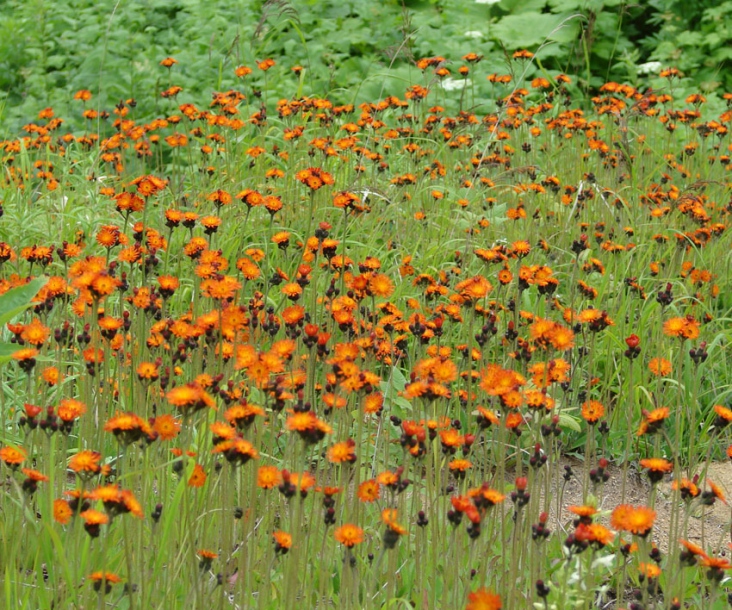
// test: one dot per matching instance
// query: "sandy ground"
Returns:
(709, 528)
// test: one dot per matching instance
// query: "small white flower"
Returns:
(651, 67)
(473, 34)
(452, 84)
(487, 1)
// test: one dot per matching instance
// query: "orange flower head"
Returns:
(198, 476)
(483, 599)
(190, 398)
(349, 535)
(282, 541)
(167, 427)
(237, 451)
(128, 428)
(659, 367)
(592, 411)
(93, 520)
(368, 491)
(344, 452)
(62, 512)
(634, 519)
(656, 468)
(12, 456)
(104, 580)
(268, 477)
(85, 463)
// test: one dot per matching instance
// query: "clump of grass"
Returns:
(304, 353)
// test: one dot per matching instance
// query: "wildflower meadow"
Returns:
(264, 352)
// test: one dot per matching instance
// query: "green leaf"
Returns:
(567, 421)
(689, 39)
(525, 6)
(6, 351)
(532, 29)
(17, 300)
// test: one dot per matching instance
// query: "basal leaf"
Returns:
(17, 300)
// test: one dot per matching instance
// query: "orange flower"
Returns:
(12, 456)
(487, 418)
(190, 398)
(459, 467)
(656, 467)
(104, 579)
(268, 477)
(168, 285)
(62, 512)
(117, 501)
(265, 64)
(51, 375)
(26, 358)
(584, 512)
(474, 288)
(683, 328)
(485, 497)
(716, 566)
(483, 599)
(35, 333)
(314, 178)
(715, 493)
(198, 477)
(692, 550)
(308, 426)
(242, 415)
(653, 420)
(368, 491)
(349, 535)
(237, 451)
(634, 519)
(724, 416)
(594, 533)
(219, 197)
(380, 285)
(128, 428)
(86, 463)
(342, 452)
(592, 411)
(373, 403)
(206, 558)
(147, 371)
(660, 367)
(688, 489)
(93, 520)
(282, 541)
(393, 529)
(33, 477)
(649, 570)
(166, 426)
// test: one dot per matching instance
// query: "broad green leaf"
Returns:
(532, 29)
(567, 421)
(6, 351)
(17, 300)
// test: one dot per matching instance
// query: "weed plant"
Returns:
(293, 352)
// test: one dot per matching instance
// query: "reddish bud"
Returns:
(633, 341)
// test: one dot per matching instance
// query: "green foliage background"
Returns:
(353, 50)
